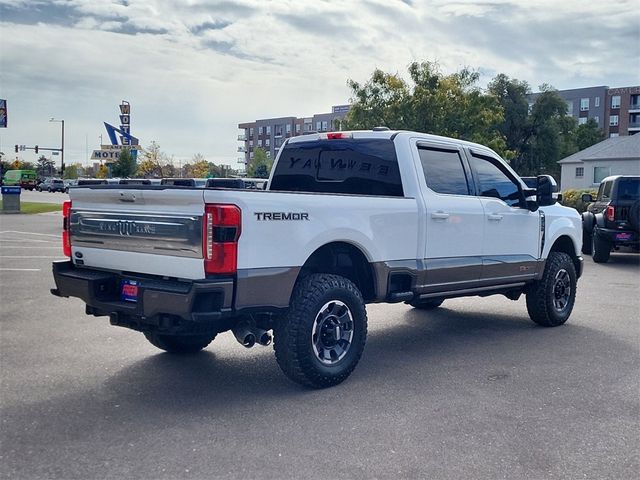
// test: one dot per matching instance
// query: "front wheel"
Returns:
(321, 339)
(550, 300)
(180, 344)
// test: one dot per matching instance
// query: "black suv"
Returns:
(613, 219)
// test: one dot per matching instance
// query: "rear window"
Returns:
(629, 189)
(359, 167)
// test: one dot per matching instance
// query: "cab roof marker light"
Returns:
(335, 135)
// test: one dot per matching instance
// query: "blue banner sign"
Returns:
(12, 190)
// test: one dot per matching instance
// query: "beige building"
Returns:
(613, 156)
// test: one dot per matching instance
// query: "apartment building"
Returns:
(615, 110)
(270, 133)
(583, 103)
(623, 111)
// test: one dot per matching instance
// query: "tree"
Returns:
(102, 172)
(45, 167)
(450, 105)
(260, 166)
(154, 162)
(551, 135)
(125, 166)
(588, 134)
(516, 128)
(71, 171)
(200, 167)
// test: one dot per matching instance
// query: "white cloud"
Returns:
(194, 70)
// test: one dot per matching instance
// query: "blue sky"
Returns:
(193, 70)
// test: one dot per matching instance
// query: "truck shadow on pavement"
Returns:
(423, 344)
(437, 356)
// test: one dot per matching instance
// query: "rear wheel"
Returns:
(321, 339)
(179, 343)
(586, 241)
(427, 304)
(550, 300)
(601, 248)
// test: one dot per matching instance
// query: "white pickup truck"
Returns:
(347, 218)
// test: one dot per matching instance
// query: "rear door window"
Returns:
(443, 171)
(345, 166)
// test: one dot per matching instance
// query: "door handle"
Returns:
(496, 217)
(439, 215)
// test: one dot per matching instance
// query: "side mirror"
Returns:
(545, 190)
(587, 198)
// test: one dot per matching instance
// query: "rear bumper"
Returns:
(171, 302)
(617, 237)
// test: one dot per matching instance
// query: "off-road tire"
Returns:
(634, 216)
(541, 294)
(427, 304)
(601, 250)
(586, 241)
(293, 334)
(179, 344)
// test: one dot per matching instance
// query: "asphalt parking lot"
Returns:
(43, 197)
(472, 390)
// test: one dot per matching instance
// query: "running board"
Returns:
(400, 297)
(490, 290)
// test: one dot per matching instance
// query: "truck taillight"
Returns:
(66, 219)
(220, 233)
(610, 213)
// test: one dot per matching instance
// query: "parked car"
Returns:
(612, 219)
(52, 185)
(349, 218)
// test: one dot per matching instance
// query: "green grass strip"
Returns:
(34, 207)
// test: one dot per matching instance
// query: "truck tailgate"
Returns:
(152, 231)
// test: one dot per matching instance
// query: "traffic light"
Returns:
(36, 149)
(17, 148)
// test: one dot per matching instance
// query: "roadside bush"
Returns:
(573, 198)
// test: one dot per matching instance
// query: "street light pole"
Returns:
(62, 145)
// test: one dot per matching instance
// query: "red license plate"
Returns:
(129, 291)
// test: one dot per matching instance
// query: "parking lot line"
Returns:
(32, 256)
(39, 247)
(25, 240)
(29, 233)
(20, 269)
